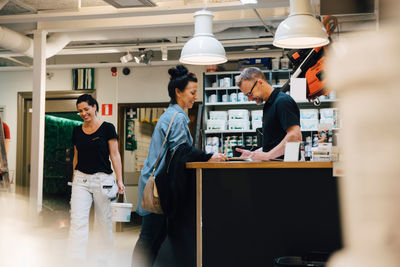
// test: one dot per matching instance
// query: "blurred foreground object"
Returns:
(366, 80)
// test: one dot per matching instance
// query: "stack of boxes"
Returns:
(238, 119)
(217, 120)
(311, 119)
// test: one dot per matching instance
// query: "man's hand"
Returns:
(259, 155)
(245, 153)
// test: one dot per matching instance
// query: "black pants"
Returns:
(152, 235)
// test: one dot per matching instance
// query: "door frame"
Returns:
(22, 98)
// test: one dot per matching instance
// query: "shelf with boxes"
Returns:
(228, 113)
(220, 87)
(229, 118)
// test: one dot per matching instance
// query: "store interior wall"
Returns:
(143, 85)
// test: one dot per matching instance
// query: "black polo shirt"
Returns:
(280, 112)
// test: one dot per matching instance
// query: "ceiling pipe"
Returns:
(16, 42)
(19, 43)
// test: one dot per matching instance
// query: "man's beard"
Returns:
(259, 100)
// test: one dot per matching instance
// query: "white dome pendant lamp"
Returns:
(301, 29)
(203, 48)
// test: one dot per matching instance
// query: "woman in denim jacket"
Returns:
(182, 90)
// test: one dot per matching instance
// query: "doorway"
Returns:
(60, 118)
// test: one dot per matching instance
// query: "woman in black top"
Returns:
(95, 143)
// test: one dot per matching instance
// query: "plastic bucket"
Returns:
(121, 212)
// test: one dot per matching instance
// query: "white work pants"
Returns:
(85, 189)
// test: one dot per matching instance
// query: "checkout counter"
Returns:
(248, 213)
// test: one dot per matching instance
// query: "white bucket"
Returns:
(121, 212)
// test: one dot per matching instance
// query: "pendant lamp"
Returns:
(203, 48)
(301, 29)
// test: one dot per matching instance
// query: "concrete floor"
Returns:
(42, 242)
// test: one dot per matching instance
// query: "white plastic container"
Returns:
(233, 97)
(216, 124)
(275, 63)
(256, 124)
(238, 114)
(239, 125)
(218, 115)
(309, 114)
(284, 63)
(256, 115)
(121, 212)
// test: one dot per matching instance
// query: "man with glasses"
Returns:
(281, 115)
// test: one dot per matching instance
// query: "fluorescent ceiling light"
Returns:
(248, 2)
(203, 48)
(300, 29)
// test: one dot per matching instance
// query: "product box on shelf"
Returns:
(235, 114)
(309, 114)
(238, 124)
(216, 125)
(262, 63)
(218, 115)
(328, 122)
(326, 113)
(309, 124)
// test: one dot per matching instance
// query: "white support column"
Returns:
(38, 106)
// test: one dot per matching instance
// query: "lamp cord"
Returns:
(269, 28)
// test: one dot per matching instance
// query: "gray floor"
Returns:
(40, 242)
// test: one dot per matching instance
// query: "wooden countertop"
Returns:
(258, 165)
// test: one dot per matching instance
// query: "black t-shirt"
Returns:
(93, 151)
(280, 113)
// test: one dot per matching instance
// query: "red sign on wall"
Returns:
(106, 109)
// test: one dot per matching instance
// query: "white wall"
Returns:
(142, 85)
(150, 84)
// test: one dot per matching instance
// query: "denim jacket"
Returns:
(178, 134)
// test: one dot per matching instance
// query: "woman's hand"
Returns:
(121, 187)
(218, 157)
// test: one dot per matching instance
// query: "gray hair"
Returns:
(249, 74)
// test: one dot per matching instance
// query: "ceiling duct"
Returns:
(130, 3)
(13, 7)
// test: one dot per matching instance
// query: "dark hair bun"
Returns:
(179, 71)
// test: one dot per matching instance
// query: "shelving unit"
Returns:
(223, 83)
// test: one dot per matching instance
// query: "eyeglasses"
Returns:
(251, 90)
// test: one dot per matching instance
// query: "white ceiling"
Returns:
(96, 27)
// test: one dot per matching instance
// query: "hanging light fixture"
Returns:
(301, 29)
(203, 48)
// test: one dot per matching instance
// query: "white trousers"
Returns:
(85, 189)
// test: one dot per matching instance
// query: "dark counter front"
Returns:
(253, 212)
